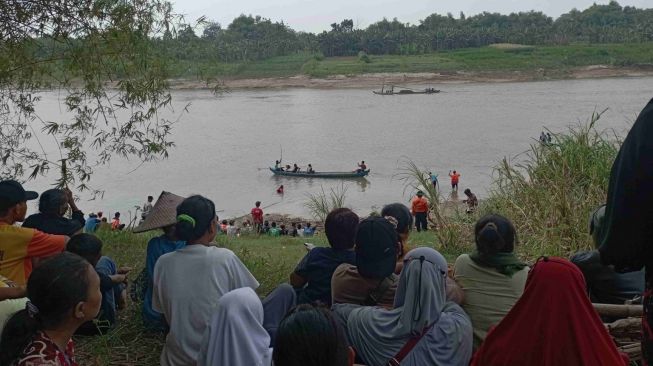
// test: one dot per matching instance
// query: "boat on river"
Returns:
(341, 175)
(405, 91)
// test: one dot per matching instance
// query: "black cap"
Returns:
(376, 248)
(14, 192)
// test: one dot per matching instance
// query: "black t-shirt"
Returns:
(56, 225)
(317, 267)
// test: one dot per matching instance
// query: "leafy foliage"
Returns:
(100, 54)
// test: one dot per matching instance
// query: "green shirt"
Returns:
(489, 295)
(274, 231)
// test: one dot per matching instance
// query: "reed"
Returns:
(321, 203)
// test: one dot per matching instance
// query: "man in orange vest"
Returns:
(420, 209)
(455, 177)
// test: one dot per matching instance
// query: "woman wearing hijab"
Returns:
(492, 277)
(553, 323)
(423, 328)
(235, 335)
(626, 236)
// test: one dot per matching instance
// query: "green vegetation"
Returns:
(548, 196)
(553, 61)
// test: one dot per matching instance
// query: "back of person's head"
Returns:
(195, 216)
(117, 214)
(282, 226)
(266, 223)
(402, 214)
(5, 205)
(87, 246)
(308, 224)
(55, 290)
(376, 247)
(467, 191)
(150, 198)
(232, 222)
(310, 335)
(99, 214)
(299, 226)
(52, 201)
(104, 219)
(224, 222)
(340, 228)
(274, 224)
(258, 203)
(494, 234)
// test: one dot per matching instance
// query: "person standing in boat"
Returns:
(277, 165)
(361, 167)
(295, 168)
(310, 169)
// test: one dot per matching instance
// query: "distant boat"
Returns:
(392, 91)
(355, 174)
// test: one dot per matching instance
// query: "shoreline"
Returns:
(374, 80)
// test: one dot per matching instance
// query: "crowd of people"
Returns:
(367, 298)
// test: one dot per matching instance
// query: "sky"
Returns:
(317, 15)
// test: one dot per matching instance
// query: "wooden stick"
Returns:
(620, 311)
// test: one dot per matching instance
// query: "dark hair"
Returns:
(117, 214)
(87, 246)
(310, 335)
(340, 228)
(202, 210)
(401, 213)
(150, 197)
(224, 222)
(232, 222)
(50, 201)
(258, 203)
(54, 288)
(5, 205)
(274, 224)
(467, 191)
(494, 234)
(266, 222)
(104, 219)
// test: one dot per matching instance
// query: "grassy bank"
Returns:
(548, 196)
(551, 61)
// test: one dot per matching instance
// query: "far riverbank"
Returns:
(375, 80)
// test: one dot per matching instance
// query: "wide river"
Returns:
(225, 144)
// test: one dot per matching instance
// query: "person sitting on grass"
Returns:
(235, 335)
(283, 229)
(552, 323)
(492, 277)
(312, 276)
(309, 230)
(372, 280)
(310, 335)
(188, 305)
(421, 312)
(293, 230)
(232, 229)
(53, 205)
(64, 293)
(12, 299)
(266, 227)
(21, 247)
(113, 281)
(156, 247)
(115, 223)
(274, 230)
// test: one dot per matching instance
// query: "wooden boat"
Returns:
(341, 175)
(406, 91)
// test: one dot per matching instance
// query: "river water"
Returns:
(225, 144)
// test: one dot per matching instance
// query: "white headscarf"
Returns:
(378, 334)
(235, 336)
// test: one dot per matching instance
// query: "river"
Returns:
(225, 144)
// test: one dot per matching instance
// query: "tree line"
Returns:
(250, 38)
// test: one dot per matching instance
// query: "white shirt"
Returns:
(187, 286)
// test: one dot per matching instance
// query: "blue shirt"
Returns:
(309, 231)
(317, 268)
(156, 247)
(91, 225)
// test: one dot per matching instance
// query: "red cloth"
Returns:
(257, 215)
(419, 204)
(43, 351)
(553, 323)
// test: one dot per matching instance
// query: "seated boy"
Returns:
(112, 281)
(312, 276)
(372, 281)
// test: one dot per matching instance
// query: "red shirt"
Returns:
(42, 351)
(420, 204)
(454, 177)
(257, 215)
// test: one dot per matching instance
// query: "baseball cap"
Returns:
(376, 248)
(14, 192)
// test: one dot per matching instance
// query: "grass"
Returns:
(271, 260)
(552, 60)
(548, 195)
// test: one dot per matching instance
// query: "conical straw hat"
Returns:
(164, 213)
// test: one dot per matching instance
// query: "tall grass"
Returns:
(549, 196)
(321, 203)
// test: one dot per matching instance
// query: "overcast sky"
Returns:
(317, 15)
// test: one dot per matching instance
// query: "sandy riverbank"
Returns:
(374, 80)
